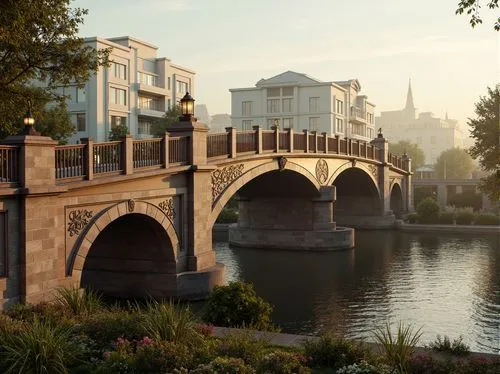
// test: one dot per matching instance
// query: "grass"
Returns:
(77, 301)
(456, 347)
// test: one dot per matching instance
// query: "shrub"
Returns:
(228, 216)
(39, 348)
(487, 219)
(334, 351)
(282, 362)
(428, 210)
(465, 217)
(398, 349)
(167, 322)
(363, 367)
(78, 301)
(426, 363)
(413, 218)
(446, 218)
(456, 347)
(49, 312)
(161, 357)
(237, 305)
(225, 365)
(242, 344)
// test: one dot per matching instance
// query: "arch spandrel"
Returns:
(370, 170)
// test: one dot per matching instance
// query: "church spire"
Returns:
(409, 98)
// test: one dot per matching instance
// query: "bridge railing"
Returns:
(70, 161)
(147, 153)
(178, 152)
(9, 164)
(108, 157)
(218, 145)
(246, 141)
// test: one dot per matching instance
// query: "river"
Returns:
(445, 284)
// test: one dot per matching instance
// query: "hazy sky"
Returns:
(234, 43)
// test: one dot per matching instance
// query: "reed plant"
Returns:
(77, 301)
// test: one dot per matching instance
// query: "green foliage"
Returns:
(49, 312)
(466, 199)
(428, 211)
(117, 132)
(56, 123)
(487, 219)
(170, 118)
(237, 305)
(242, 344)
(39, 348)
(486, 132)
(471, 7)
(226, 365)
(446, 218)
(413, 150)
(413, 218)
(456, 347)
(454, 163)
(363, 367)
(227, 216)
(333, 351)
(423, 192)
(161, 357)
(39, 41)
(398, 349)
(167, 322)
(78, 301)
(465, 217)
(281, 362)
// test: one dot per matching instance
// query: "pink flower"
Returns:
(145, 341)
(107, 354)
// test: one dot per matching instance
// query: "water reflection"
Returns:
(446, 284)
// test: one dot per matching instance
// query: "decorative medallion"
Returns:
(353, 162)
(78, 219)
(131, 205)
(373, 170)
(282, 162)
(168, 208)
(221, 178)
(321, 171)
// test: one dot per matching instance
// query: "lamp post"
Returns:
(187, 107)
(29, 123)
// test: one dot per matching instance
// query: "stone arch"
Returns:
(359, 165)
(396, 198)
(252, 174)
(104, 219)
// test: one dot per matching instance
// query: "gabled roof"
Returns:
(351, 82)
(288, 77)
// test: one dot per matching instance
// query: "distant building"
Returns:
(220, 122)
(135, 89)
(300, 102)
(201, 113)
(433, 135)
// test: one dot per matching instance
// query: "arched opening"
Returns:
(396, 203)
(132, 256)
(357, 196)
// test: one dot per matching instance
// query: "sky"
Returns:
(383, 43)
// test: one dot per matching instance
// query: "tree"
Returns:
(413, 150)
(171, 117)
(117, 132)
(454, 163)
(471, 7)
(485, 129)
(39, 42)
(56, 123)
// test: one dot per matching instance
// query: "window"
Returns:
(313, 104)
(273, 105)
(340, 125)
(273, 92)
(358, 129)
(119, 70)
(433, 140)
(288, 122)
(80, 122)
(287, 105)
(3, 243)
(246, 108)
(149, 103)
(369, 117)
(369, 133)
(117, 96)
(182, 87)
(144, 128)
(272, 122)
(287, 91)
(148, 79)
(80, 95)
(419, 140)
(168, 83)
(117, 121)
(339, 106)
(246, 124)
(313, 123)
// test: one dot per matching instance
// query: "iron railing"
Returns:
(9, 164)
(147, 153)
(108, 157)
(70, 161)
(246, 141)
(217, 145)
(178, 152)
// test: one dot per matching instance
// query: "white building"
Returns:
(135, 89)
(433, 135)
(300, 102)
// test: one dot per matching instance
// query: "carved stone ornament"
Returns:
(282, 162)
(321, 171)
(373, 170)
(168, 208)
(78, 219)
(131, 205)
(221, 178)
(353, 162)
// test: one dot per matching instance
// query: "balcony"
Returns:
(357, 116)
(155, 90)
(151, 110)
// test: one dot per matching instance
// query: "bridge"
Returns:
(134, 217)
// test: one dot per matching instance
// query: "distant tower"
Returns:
(410, 107)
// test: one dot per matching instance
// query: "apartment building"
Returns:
(434, 135)
(295, 100)
(137, 88)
